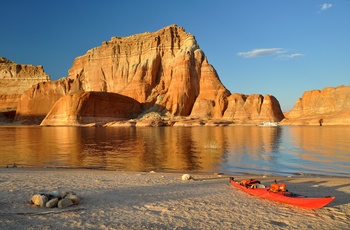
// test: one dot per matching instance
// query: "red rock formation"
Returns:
(15, 79)
(253, 108)
(165, 71)
(271, 109)
(332, 105)
(37, 101)
(91, 107)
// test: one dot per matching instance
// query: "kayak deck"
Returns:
(285, 197)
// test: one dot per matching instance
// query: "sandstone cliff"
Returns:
(330, 106)
(15, 79)
(36, 102)
(165, 71)
(253, 108)
(91, 107)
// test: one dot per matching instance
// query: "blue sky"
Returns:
(282, 48)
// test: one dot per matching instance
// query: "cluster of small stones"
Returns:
(55, 199)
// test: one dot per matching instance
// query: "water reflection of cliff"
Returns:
(39, 146)
(142, 148)
(322, 144)
(191, 148)
(164, 148)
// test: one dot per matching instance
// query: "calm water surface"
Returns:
(232, 149)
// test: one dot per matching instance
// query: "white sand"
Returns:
(139, 200)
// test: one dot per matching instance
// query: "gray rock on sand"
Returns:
(65, 193)
(64, 203)
(52, 203)
(74, 198)
(56, 194)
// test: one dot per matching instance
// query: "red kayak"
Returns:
(253, 187)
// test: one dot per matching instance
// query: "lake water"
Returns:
(228, 149)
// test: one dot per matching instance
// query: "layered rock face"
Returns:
(253, 107)
(330, 106)
(91, 107)
(15, 79)
(36, 102)
(165, 71)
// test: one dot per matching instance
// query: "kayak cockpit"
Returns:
(258, 186)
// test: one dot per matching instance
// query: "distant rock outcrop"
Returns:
(15, 79)
(329, 106)
(91, 107)
(165, 71)
(254, 107)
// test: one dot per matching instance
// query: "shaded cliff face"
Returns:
(15, 79)
(91, 107)
(36, 102)
(329, 105)
(164, 70)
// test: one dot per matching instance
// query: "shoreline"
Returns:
(159, 200)
(155, 120)
(262, 175)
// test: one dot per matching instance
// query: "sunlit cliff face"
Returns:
(15, 79)
(165, 68)
(330, 105)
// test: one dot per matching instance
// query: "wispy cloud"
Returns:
(262, 52)
(290, 56)
(278, 52)
(326, 6)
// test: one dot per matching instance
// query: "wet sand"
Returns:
(154, 200)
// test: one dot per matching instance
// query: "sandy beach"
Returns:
(154, 200)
